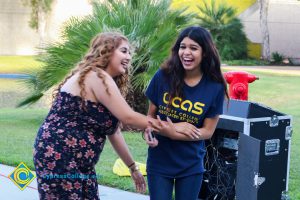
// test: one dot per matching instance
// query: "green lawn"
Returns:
(245, 62)
(19, 127)
(12, 92)
(18, 64)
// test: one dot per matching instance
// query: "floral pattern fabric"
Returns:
(68, 146)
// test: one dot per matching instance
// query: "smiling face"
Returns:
(190, 54)
(120, 60)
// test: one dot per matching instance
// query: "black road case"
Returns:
(248, 155)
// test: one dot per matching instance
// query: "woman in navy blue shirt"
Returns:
(188, 92)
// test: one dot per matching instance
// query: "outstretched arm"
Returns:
(115, 102)
(120, 146)
(206, 131)
(176, 131)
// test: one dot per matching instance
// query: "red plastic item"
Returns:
(238, 83)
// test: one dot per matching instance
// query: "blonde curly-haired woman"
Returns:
(88, 107)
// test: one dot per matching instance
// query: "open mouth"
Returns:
(187, 61)
(125, 64)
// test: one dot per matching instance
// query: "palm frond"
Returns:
(30, 99)
(225, 27)
(150, 25)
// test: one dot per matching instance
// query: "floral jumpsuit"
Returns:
(68, 146)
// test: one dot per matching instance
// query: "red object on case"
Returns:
(238, 83)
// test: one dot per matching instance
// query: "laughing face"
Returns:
(190, 54)
(120, 60)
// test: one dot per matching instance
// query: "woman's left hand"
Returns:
(139, 181)
(166, 128)
(188, 129)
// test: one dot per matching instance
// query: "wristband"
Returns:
(131, 164)
(134, 169)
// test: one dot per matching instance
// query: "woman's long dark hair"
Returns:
(210, 64)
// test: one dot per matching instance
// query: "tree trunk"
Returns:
(263, 7)
(42, 21)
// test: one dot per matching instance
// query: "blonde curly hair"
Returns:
(97, 59)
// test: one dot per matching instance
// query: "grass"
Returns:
(255, 62)
(279, 71)
(246, 62)
(19, 127)
(12, 92)
(18, 64)
(137, 147)
(7, 85)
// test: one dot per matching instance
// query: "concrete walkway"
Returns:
(14, 76)
(283, 70)
(9, 191)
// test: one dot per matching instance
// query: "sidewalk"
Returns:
(283, 70)
(9, 191)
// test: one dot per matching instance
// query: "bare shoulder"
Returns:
(101, 87)
(94, 81)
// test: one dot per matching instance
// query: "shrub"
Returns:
(277, 57)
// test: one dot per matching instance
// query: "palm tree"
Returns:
(149, 24)
(263, 12)
(39, 12)
(226, 29)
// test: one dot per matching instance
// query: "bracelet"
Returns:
(134, 169)
(131, 164)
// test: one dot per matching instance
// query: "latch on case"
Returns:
(258, 180)
(285, 196)
(288, 132)
(274, 121)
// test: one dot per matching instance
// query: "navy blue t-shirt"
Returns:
(174, 158)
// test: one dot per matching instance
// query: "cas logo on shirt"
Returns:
(186, 105)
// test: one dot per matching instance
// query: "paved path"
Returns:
(9, 191)
(284, 70)
(14, 76)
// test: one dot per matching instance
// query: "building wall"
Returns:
(283, 24)
(62, 11)
(17, 38)
(240, 5)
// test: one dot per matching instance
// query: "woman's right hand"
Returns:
(170, 129)
(150, 137)
(139, 180)
(187, 129)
